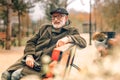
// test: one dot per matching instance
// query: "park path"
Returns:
(8, 57)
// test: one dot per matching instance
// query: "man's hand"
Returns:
(60, 43)
(63, 41)
(30, 61)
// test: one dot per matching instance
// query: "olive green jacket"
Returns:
(44, 42)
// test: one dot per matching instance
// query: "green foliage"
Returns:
(20, 6)
(3, 15)
(3, 2)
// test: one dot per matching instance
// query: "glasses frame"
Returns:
(59, 16)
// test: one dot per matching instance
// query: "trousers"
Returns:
(16, 75)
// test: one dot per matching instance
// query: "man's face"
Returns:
(59, 20)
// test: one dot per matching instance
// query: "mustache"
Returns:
(56, 22)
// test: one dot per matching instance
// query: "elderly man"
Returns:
(48, 38)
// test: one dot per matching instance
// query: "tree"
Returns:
(111, 13)
(20, 7)
(6, 4)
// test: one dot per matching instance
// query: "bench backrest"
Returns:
(2, 35)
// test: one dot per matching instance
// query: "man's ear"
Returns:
(66, 17)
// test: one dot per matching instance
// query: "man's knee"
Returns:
(6, 76)
(16, 75)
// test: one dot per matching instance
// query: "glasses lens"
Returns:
(57, 16)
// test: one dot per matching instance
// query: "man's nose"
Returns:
(55, 18)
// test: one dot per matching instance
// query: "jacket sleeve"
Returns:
(31, 44)
(76, 38)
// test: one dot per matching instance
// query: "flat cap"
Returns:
(59, 10)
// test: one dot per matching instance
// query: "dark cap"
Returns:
(59, 10)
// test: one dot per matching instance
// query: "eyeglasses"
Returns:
(57, 16)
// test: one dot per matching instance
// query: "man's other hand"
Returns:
(30, 61)
(63, 41)
(60, 43)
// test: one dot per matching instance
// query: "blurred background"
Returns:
(21, 19)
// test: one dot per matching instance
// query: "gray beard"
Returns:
(57, 26)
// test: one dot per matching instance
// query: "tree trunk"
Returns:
(8, 29)
(27, 25)
(19, 30)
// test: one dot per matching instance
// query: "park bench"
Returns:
(3, 39)
(67, 58)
